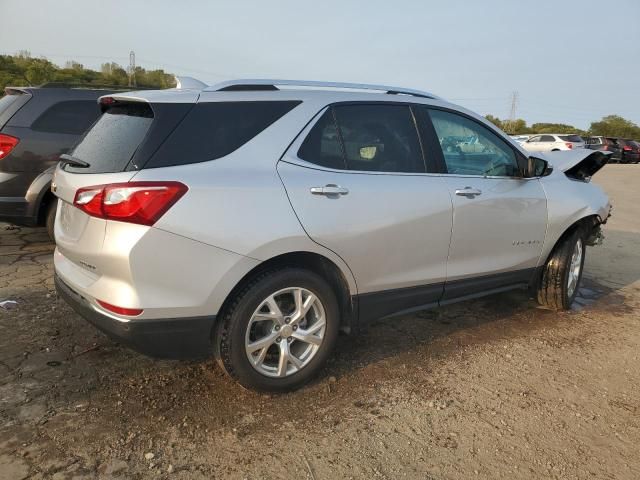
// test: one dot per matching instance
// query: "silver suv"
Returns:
(254, 220)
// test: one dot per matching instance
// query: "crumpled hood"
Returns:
(580, 162)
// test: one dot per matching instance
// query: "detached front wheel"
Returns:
(562, 273)
(279, 331)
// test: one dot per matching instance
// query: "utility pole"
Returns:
(512, 112)
(132, 68)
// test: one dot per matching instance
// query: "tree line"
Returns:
(608, 126)
(22, 70)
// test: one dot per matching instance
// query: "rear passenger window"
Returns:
(322, 145)
(379, 138)
(547, 138)
(72, 117)
(368, 138)
(213, 130)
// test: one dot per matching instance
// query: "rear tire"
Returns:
(266, 339)
(562, 273)
(50, 218)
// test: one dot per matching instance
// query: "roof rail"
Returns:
(271, 84)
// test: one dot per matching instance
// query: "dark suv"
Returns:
(607, 144)
(37, 124)
(629, 150)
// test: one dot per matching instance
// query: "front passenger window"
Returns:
(469, 148)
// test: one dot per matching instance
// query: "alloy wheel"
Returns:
(575, 266)
(285, 332)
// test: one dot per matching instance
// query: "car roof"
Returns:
(260, 88)
(316, 94)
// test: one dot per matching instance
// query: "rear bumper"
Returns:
(175, 338)
(630, 157)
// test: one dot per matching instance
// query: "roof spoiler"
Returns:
(17, 91)
(189, 83)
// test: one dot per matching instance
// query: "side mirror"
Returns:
(537, 167)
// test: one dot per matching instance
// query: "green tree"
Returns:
(24, 70)
(495, 120)
(515, 127)
(555, 128)
(615, 126)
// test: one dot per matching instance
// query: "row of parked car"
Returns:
(624, 150)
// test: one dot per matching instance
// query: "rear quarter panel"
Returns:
(238, 203)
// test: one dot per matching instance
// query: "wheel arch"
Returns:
(589, 223)
(313, 262)
(39, 195)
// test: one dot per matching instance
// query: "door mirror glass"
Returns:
(537, 167)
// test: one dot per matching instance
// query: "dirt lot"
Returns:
(495, 388)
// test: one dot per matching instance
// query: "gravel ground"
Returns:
(494, 388)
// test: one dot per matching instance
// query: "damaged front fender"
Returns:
(579, 164)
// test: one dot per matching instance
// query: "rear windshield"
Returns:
(110, 144)
(571, 138)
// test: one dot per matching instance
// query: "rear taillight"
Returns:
(134, 202)
(569, 145)
(626, 148)
(130, 312)
(7, 143)
(605, 148)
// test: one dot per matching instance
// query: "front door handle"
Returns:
(468, 192)
(329, 190)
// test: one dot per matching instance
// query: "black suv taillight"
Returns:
(7, 143)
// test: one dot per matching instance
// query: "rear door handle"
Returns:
(468, 192)
(329, 190)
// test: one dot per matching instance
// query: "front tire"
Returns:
(562, 273)
(278, 331)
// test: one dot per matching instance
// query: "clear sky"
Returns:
(571, 61)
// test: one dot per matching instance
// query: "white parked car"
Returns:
(551, 142)
(521, 138)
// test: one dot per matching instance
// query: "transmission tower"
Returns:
(132, 68)
(512, 112)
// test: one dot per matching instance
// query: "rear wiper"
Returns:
(73, 161)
